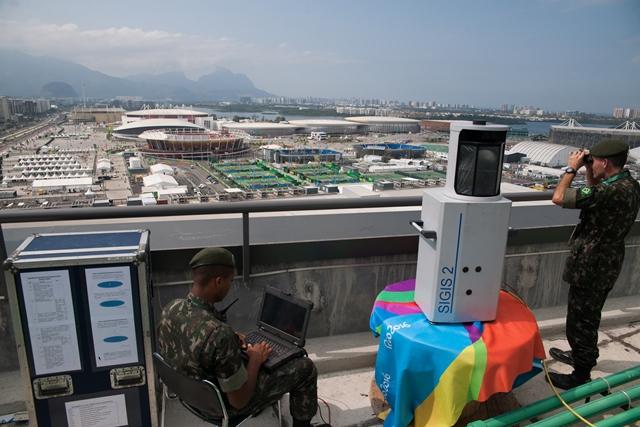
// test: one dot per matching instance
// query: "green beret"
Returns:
(212, 256)
(609, 148)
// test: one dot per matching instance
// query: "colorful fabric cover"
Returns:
(429, 372)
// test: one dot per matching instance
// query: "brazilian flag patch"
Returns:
(586, 191)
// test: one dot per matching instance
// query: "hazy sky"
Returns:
(556, 54)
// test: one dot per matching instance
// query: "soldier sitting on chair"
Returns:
(195, 340)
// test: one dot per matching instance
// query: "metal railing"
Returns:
(241, 207)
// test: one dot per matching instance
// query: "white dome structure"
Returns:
(261, 129)
(543, 153)
(328, 126)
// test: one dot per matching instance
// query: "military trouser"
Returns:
(297, 377)
(583, 320)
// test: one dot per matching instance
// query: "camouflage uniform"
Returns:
(193, 339)
(608, 210)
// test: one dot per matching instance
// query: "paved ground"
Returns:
(346, 392)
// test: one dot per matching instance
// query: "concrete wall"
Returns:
(339, 260)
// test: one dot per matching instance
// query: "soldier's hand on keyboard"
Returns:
(260, 351)
(243, 343)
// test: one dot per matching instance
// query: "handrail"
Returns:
(244, 208)
(66, 214)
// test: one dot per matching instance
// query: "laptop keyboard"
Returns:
(277, 349)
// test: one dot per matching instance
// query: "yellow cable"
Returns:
(566, 405)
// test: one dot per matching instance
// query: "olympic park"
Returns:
(191, 134)
(246, 155)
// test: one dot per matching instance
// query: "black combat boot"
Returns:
(567, 381)
(562, 355)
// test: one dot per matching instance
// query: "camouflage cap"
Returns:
(609, 148)
(212, 256)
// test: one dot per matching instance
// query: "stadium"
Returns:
(387, 124)
(330, 127)
(260, 129)
(187, 143)
(571, 133)
(133, 129)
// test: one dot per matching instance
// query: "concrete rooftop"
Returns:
(346, 364)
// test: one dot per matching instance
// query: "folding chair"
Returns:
(201, 397)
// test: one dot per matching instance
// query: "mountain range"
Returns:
(23, 75)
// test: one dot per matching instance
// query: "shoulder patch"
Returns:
(586, 191)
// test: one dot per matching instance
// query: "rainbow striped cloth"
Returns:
(428, 373)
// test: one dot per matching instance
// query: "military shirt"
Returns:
(608, 210)
(194, 340)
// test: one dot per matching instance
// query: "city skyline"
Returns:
(557, 55)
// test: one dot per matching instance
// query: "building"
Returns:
(63, 185)
(542, 153)
(394, 151)
(132, 130)
(572, 133)
(301, 155)
(161, 169)
(191, 143)
(259, 129)
(387, 124)
(436, 125)
(96, 115)
(103, 166)
(162, 185)
(159, 181)
(5, 109)
(329, 127)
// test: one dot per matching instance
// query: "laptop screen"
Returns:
(283, 315)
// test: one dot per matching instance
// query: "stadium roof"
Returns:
(323, 122)
(543, 152)
(380, 119)
(166, 112)
(256, 125)
(157, 123)
(593, 129)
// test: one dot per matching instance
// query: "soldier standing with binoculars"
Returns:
(608, 208)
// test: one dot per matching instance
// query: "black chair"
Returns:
(201, 397)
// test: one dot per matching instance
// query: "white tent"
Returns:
(160, 181)
(103, 165)
(161, 168)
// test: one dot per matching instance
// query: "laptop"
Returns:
(282, 322)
